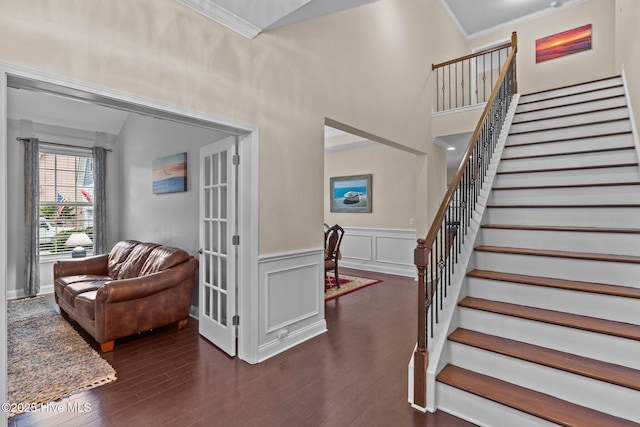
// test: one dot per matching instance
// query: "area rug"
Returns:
(47, 359)
(348, 284)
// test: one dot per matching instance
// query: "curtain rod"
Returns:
(61, 145)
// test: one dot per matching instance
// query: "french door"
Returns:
(218, 224)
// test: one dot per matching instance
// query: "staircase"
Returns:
(549, 329)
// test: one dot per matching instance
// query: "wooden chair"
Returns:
(332, 239)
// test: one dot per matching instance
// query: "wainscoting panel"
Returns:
(291, 300)
(287, 290)
(379, 249)
(358, 246)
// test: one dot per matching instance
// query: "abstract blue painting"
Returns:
(170, 174)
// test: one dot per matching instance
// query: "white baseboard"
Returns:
(273, 348)
(194, 312)
(19, 293)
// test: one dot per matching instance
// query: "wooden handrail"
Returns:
(472, 55)
(437, 222)
(424, 246)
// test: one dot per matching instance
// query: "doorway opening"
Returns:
(153, 113)
(383, 239)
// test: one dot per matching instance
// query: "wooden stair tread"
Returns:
(571, 228)
(575, 138)
(575, 168)
(529, 401)
(557, 206)
(549, 187)
(560, 116)
(577, 85)
(550, 282)
(525, 102)
(560, 254)
(596, 369)
(604, 98)
(592, 324)
(593, 123)
(570, 153)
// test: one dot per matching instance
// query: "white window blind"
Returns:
(66, 198)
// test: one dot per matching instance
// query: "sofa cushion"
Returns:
(61, 284)
(72, 290)
(118, 255)
(67, 280)
(86, 305)
(162, 258)
(136, 259)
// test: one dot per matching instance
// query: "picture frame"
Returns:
(351, 194)
(564, 43)
(170, 174)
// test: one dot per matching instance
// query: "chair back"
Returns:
(332, 239)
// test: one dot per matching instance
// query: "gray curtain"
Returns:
(31, 216)
(99, 201)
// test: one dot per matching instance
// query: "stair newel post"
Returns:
(421, 355)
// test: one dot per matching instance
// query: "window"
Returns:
(66, 198)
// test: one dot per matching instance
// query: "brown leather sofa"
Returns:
(135, 288)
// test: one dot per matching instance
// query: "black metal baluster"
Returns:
(437, 90)
(456, 78)
(449, 85)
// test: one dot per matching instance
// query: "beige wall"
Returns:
(584, 66)
(393, 186)
(367, 67)
(628, 49)
(456, 122)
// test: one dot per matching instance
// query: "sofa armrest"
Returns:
(140, 287)
(97, 265)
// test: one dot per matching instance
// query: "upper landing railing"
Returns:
(469, 80)
(436, 255)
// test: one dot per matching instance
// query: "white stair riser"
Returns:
(606, 243)
(591, 217)
(567, 161)
(528, 103)
(608, 307)
(619, 194)
(583, 391)
(617, 101)
(618, 273)
(597, 346)
(570, 132)
(569, 146)
(585, 176)
(485, 412)
(584, 87)
(578, 119)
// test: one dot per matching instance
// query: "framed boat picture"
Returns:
(170, 174)
(350, 193)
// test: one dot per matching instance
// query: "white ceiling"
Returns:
(456, 146)
(472, 17)
(48, 109)
(251, 17)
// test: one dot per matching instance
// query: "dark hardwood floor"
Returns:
(353, 375)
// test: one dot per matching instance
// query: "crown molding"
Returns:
(453, 18)
(222, 16)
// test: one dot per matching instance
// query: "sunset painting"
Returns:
(565, 43)
(170, 174)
